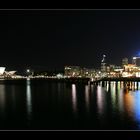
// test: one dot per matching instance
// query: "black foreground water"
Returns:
(63, 106)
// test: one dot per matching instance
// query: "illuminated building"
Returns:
(72, 71)
(2, 70)
(112, 67)
(91, 72)
(76, 71)
(103, 64)
(107, 68)
(4, 73)
(124, 61)
(59, 75)
(126, 70)
(136, 61)
(85, 72)
(130, 68)
(9, 73)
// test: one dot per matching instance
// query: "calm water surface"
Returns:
(54, 105)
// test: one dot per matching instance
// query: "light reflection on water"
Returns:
(2, 100)
(137, 107)
(129, 103)
(110, 104)
(28, 100)
(124, 101)
(74, 98)
(100, 100)
(121, 101)
(113, 94)
(87, 96)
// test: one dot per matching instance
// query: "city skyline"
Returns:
(51, 39)
(69, 69)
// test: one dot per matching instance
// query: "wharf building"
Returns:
(76, 71)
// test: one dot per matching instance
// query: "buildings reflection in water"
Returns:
(13, 95)
(100, 100)
(28, 99)
(125, 99)
(137, 107)
(74, 99)
(2, 100)
(129, 103)
(87, 92)
(121, 98)
(113, 94)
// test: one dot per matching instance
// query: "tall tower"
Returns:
(103, 64)
(134, 60)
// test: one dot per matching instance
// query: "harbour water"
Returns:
(64, 106)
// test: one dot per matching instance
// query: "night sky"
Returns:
(51, 39)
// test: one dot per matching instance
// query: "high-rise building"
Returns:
(72, 71)
(103, 64)
(124, 61)
(103, 67)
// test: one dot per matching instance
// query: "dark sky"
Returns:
(51, 39)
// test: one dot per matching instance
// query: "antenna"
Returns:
(103, 60)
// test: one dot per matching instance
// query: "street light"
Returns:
(28, 70)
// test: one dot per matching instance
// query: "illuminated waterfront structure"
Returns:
(2, 70)
(4, 74)
(9, 73)
(72, 71)
(131, 70)
(76, 71)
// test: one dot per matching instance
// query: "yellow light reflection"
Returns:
(129, 103)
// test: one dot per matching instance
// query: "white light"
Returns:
(28, 98)
(74, 98)
(100, 99)
(87, 97)
(28, 70)
(2, 69)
